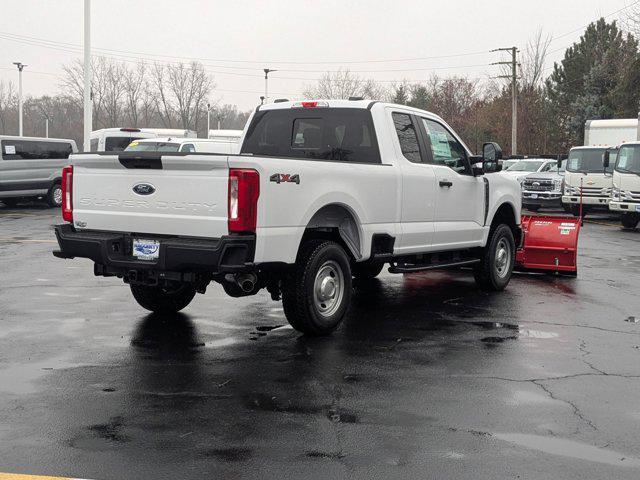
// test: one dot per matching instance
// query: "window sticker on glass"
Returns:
(440, 144)
(10, 149)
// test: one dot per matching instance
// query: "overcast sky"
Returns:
(236, 39)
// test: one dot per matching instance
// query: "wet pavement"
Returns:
(427, 378)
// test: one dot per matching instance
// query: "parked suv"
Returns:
(544, 189)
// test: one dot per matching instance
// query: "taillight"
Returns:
(244, 190)
(67, 193)
(310, 104)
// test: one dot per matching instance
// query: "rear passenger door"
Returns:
(460, 202)
(418, 185)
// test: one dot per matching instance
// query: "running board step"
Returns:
(409, 268)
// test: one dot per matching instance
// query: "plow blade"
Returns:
(550, 244)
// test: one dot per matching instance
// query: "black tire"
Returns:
(575, 211)
(366, 270)
(629, 221)
(302, 301)
(567, 208)
(163, 299)
(54, 196)
(9, 202)
(488, 274)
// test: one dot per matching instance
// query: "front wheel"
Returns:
(498, 259)
(317, 293)
(629, 221)
(164, 298)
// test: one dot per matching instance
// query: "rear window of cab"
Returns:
(338, 134)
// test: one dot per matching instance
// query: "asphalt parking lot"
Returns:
(427, 378)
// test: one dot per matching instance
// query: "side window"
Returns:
(407, 136)
(547, 167)
(188, 147)
(94, 145)
(445, 149)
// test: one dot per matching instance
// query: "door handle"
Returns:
(446, 183)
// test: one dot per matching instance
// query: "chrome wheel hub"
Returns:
(503, 258)
(328, 288)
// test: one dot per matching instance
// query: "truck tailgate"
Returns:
(182, 195)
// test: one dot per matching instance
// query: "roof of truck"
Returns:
(362, 104)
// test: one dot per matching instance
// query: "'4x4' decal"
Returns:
(285, 178)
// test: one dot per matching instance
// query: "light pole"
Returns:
(20, 67)
(267, 71)
(208, 118)
(87, 76)
(46, 127)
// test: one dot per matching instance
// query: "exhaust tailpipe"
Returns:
(246, 281)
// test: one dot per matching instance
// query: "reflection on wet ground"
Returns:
(428, 377)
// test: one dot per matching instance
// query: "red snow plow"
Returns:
(549, 244)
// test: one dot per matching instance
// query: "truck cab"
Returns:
(625, 193)
(586, 180)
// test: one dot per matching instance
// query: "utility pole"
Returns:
(267, 71)
(20, 67)
(514, 93)
(88, 117)
(46, 127)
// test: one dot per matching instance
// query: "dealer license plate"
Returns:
(146, 249)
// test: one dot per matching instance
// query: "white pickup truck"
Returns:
(321, 192)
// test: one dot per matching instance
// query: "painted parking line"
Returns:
(17, 476)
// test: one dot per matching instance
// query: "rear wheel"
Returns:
(496, 265)
(317, 294)
(366, 270)
(629, 221)
(164, 298)
(54, 196)
(9, 202)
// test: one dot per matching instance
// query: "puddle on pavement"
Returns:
(569, 448)
(494, 340)
(101, 437)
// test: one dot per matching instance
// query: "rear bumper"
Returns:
(111, 251)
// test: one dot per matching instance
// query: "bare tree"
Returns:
(182, 90)
(135, 90)
(344, 84)
(8, 100)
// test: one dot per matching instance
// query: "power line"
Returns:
(257, 62)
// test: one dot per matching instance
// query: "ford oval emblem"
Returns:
(144, 188)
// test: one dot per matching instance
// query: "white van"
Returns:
(226, 135)
(116, 139)
(189, 145)
(625, 194)
(32, 167)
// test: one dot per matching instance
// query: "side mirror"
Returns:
(491, 152)
(478, 165)
(491, 156)
(559, 164)
(606, 159)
